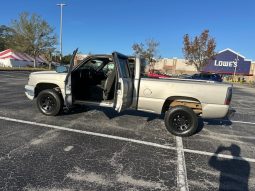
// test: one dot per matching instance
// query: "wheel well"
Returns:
(192, 103)
(43, 86)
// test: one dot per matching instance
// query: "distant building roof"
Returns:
(11, 54)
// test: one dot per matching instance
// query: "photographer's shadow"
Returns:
(234, 172)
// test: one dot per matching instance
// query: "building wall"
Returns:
(251, 77)
(79, 57)
(178, 66)
(21, 63)
(252, 73)
(174, 66)
(14, 63)
(5, 63)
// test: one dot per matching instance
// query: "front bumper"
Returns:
(30, 91)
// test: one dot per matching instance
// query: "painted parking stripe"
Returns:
(236, 108)
(12, 76)
(14, 73)
(182, 181)
(88, 133)
(218, 155)
(234, 121)
(243, 122)
(125, 139)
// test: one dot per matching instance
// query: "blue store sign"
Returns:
(228, 62)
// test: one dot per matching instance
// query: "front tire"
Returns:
(49, 102)
(181, 121)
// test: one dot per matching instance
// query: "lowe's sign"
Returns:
(228, 62)
(225, 63)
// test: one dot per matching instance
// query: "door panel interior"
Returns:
(91, 80)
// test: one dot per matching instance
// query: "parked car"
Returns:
(206, 76)
(157, 75)
(107, 81)
(184, 76)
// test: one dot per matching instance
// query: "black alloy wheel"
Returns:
(181, 121)
(49, 102)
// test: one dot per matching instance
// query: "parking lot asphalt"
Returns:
(92, 148)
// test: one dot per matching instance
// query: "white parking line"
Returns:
(125, 139)
(236, 108)
(243, 122)
(182, 181)
(15, 72)
(88, 133)
(11, 76)
(218, 155)
(233, 121)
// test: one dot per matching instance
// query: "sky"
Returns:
(104, 26)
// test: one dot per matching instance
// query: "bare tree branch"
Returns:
(147, 50)
(199, 50)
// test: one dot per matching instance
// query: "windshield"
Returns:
(62, 69)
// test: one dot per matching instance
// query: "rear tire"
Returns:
(181, 121)
(49, 102)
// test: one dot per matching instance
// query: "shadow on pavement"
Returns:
(225, 122)
(111, 113)
(235, 172)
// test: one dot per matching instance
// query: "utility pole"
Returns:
(236, 65)
(61, 19)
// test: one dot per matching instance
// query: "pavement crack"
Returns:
(116, 157)
(36, 141)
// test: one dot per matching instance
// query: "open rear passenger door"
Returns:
(68, 82)
(125, 83)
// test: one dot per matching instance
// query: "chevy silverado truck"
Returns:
(120, 82)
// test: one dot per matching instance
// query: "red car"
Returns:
(156, 74)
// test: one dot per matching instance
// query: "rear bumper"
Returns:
(215, 111)
(30, 91)
(231, 112)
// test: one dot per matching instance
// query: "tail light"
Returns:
(229, 96)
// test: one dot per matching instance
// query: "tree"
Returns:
(50, 56)
(199, 50)
(147, 50)
(5, 36)
(32, 35)
(66, 59)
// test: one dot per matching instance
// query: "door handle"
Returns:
(119, 86)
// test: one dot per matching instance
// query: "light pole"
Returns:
(236, 66)
(61, 15)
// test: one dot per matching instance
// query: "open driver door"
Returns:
(124, 92)
(68, 82)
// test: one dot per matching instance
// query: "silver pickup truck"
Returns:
(120, 82)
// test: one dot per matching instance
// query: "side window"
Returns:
(131, 64)
(124, 68)
(145, 66)
(108, 68)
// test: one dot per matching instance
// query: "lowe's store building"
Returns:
(229, 62)
(226, 62)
